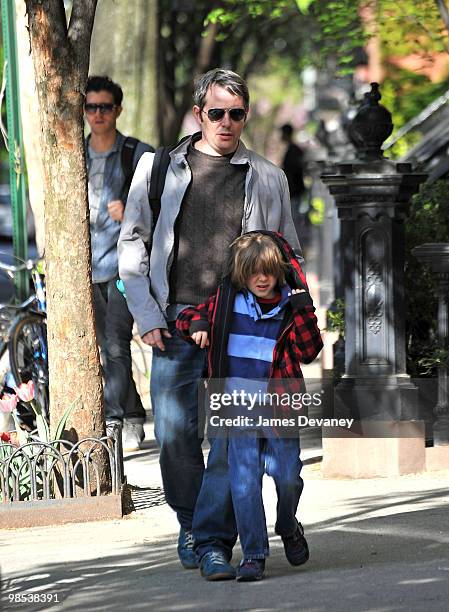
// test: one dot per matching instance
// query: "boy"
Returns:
(259, 325)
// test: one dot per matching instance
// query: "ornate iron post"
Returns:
(436, 255)
(372, 195)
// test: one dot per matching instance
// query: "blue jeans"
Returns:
(113, 324)
(249, 457)
(214, 526)
(175, 375)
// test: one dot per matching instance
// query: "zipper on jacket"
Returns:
(220, 353)
(284, 331)
(247, 198)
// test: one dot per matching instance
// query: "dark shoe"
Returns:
(215, 566)
(296, 548)
(186, 553)
(250, 570)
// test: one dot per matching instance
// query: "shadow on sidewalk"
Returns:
(394, 562)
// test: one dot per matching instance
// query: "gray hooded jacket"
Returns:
(266, 206)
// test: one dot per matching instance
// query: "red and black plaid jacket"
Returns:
(299, 339)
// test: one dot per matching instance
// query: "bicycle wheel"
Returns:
(28, 355)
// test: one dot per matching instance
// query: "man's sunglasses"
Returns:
(217, 114)
(104, 108)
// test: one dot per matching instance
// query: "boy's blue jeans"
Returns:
(249, 458)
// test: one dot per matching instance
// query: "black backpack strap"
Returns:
(157, 181)
(127, 159)
(161, 163)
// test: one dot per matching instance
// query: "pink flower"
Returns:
(8, 402)
(26, 391)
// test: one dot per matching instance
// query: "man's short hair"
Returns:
(252, 254)
(223, 78)
(104, 83)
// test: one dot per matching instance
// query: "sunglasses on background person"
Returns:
(104, 108)
(217, 114)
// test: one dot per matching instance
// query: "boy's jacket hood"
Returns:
(294, 276)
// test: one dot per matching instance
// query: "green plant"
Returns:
(439, 357)
(428, 221)
(20, 464)
(336, 317)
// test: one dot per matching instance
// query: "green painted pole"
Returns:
(15, 144)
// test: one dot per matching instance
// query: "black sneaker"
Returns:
(296, 548)
(250, 570)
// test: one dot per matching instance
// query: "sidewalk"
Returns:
(379, 545)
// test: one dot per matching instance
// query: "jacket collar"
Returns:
(119, 140)
(253, 307)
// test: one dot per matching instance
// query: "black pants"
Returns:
(114, 323)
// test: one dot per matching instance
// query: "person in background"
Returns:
(108, 189)
(293, 166)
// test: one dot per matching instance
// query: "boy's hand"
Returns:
(297, 291)
(201, 339)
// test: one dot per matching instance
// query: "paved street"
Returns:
(378, 545)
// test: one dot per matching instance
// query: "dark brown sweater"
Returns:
(209, 220)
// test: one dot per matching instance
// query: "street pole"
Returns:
(15, 145)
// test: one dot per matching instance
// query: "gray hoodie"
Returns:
(267, 206)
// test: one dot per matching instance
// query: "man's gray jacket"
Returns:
(266, 206)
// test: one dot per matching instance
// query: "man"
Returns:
(107, 198)
(215, 189)
(293, 166)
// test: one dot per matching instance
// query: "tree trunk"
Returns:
(30, 118)
(61, 57)
(124, 47)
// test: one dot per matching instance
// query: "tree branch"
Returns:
(206, 49)
(54, 8)
(444, 12)
(80, 31)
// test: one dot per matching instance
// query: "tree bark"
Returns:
(124, 47)
(61, 59)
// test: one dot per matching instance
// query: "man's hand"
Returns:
(116, 209)
(154, 338)
(200, 338)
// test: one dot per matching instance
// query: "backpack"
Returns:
(158, 172)
(127, 159)
(161, 163)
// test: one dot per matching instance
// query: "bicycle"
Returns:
(23, 335)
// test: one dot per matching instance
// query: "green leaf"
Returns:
(62, 423)
(303, 5)
(215, 16)
(42, 428)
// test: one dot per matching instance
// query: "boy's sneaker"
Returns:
(250, 570)
(186, 553)
(215, 566)
(132, 436)
(296, 548)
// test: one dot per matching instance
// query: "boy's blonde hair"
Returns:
(254, 253)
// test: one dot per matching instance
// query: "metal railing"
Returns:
(60, 469)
